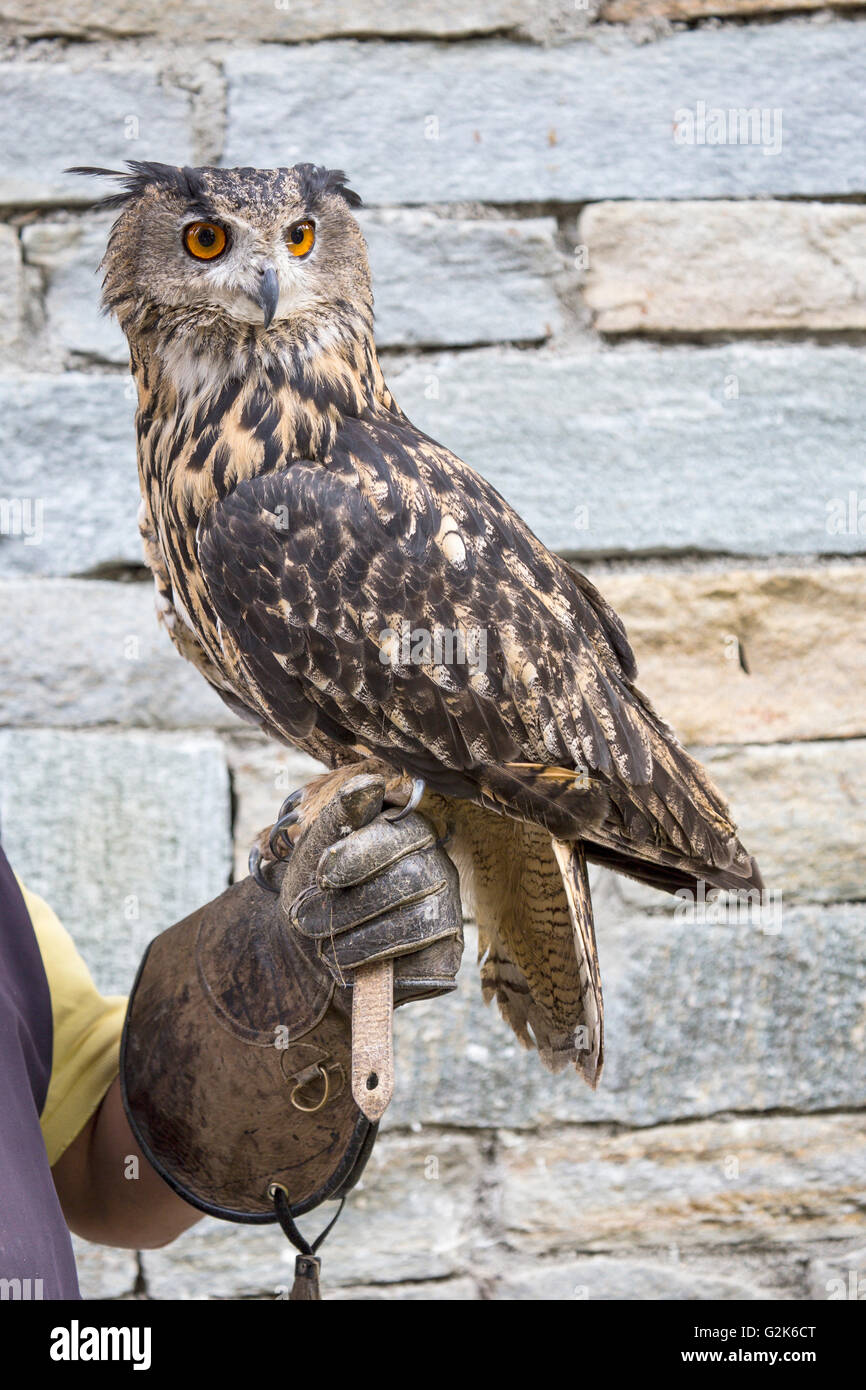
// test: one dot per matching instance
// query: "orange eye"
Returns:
(204, 240)
(301, 238)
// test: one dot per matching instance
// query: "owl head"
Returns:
(261, 250)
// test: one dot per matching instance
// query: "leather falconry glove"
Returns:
(236, 1050)
(360, 888)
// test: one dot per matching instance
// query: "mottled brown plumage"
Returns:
(293, 517)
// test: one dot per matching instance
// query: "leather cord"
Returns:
(286, 1220)
(307, 1267)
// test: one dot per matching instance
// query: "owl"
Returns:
(360, 592)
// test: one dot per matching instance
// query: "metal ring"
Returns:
(311, 1109)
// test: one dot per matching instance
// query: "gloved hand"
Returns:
(361, 886)
(236, 1056)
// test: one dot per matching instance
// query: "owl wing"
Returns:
(322, 575)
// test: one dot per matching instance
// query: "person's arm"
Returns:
(357, 888)
(90, 1146)
(109, 1192)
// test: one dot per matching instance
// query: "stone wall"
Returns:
(619, 263)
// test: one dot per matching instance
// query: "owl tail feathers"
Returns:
(589, 1034)
(503, 981)
(538, 961)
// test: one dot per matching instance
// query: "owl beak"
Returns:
(268, 296)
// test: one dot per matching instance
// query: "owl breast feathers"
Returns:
(360, 592)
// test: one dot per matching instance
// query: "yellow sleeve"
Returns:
(87, 1028)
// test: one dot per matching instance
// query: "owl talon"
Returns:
(257, 871)
(291, 802)
(418, 789)
(285, 820)
(289, 815)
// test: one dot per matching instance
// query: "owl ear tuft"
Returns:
(140, 174)
(315, 180)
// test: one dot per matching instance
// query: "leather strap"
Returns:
(307, 1267)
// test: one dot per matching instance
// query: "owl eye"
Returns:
(301, 238)
(204, 240)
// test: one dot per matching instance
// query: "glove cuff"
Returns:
(236, 1064)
